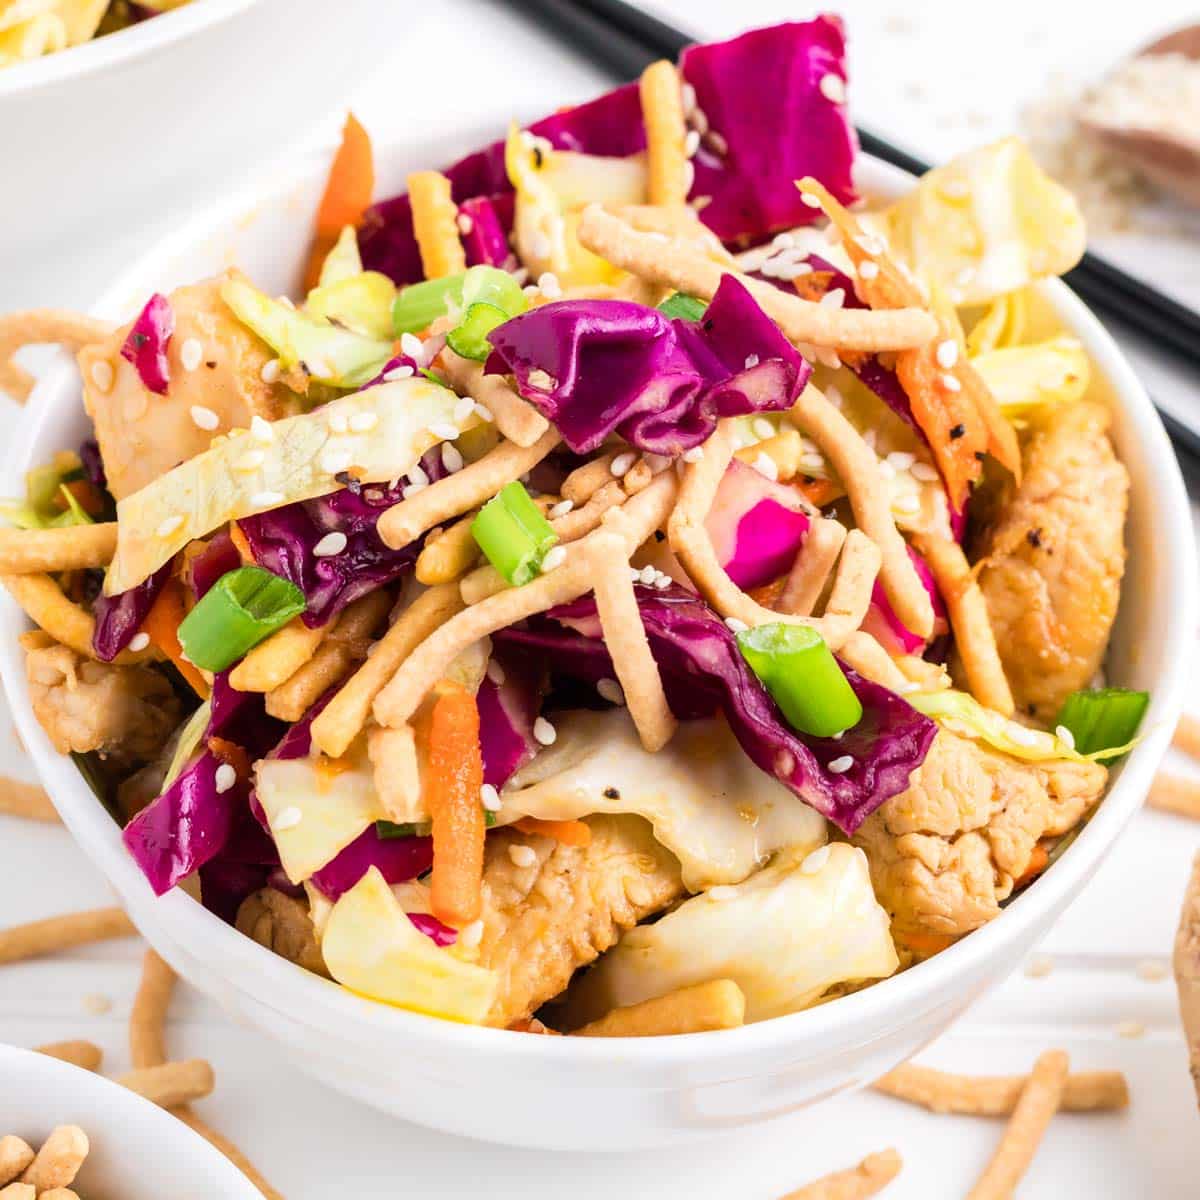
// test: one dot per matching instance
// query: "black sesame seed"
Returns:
(980, 455)
(611, 793)
(958, 432)
(211, 364)
(538, 157)
(348, 481)
(1034, 537)
(139, 339)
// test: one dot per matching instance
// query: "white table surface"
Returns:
(939, 75)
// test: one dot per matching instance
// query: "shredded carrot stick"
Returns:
(162, 627)
(231, 753)
(819, 492)
(241, 544)
(347, 195)
(86, 494)
(569, 833)
(455, 810)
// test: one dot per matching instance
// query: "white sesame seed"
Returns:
(266, 499)
(561, 509)
(226, 777)
(635, 573)
(610, 690)
(1039, 966)
(204, 418)
(250, 461)
(168, 525)
(764, 464)
(951, 383)
(924, 472)
(812, 459)
(261, 431)
(495, 672)
(462, 410)
(542, 380)
(139, 641)
(809, 199)
(834, 298)
(1065, 736)
(751, 361)
(907, 506)
(331, 544)
(404, 371)
(412, 489)
(901, 460)
(687, 95)
(736, 625)
(722, 891)
(289, 818)
(363, 422)
(947, 354)
(417, 475)
(444, 430)
(815, 861)
(489, 797)
(549, 286)
(469, 936)
(103, 374)
(662, 580)
(411, 345)
(886, 470)
(318, 368)
(622, 463)
(1152, 970)
(839, 766)
(483, 412)
(191, 353)
(691, 143)
(539, 245)
(270, 371)
(522, 856)
(647, 574)
(543, 732)
(868, 270)
(338, 422)
(717, 143)
(452, 458)
(465, 222)
(763, 428)
(695, 454)
(334, 461)
(833, 88)
(555, 557)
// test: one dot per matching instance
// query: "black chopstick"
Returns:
(624, 39)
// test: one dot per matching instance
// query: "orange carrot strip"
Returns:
(455, 810)
(347, 195)
(241, 544)
(162, 626)
(1039, 860)
(923, 942)
(86, 494)
(231, 753)
(818, 492)
(569, 833)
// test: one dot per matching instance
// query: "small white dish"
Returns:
(594, 1094)
(138, 1151)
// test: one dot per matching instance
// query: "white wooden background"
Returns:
(939, 75)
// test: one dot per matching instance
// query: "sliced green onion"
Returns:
(470, 336)
(242, 608)
(390, 829)
(1103, 722)
(803, 677)
(489, 298)
(73, 514)
(512, 532)
(420, 304)
(683, 306)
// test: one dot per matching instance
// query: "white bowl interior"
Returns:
(267, 234)
(137, 1150)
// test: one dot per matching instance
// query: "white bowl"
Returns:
(137, 1150)
(566, 1093)
(172, 108)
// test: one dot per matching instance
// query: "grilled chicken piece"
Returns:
(1054, 559)
(945, 852)
(143, 435)
(282, 924)
(543, 922)
(124, 713)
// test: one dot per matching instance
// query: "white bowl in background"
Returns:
(176, 106)
(592, 1094)
(137, 1150)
